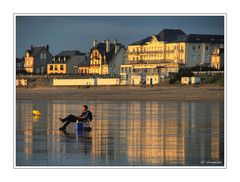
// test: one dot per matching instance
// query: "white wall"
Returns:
(108, 81)
(72, 82)
(96, 81)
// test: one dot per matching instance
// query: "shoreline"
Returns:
(175, 93)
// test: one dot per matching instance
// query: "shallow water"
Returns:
(124, 133)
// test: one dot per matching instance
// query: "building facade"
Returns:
(164, 53)
(67, 62)
(174, 46)
(150, 74)
(217, 58)
(153, 49)
(198, 48)
(36, 59)
(105, 58)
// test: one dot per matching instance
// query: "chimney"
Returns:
(47, 47)
(116, 46)
(94, 42)
(107, 45)
(31, 47)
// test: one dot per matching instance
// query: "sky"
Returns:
(78, 32)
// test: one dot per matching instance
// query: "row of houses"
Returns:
(155, 56)
(105, 58)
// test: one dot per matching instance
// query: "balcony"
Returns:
(94, 64)
(155, 61)
(144, 52)
(155, 52)
(95, 57)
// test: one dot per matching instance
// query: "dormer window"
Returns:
(59, 59)
(64, 59)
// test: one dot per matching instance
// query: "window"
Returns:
(61, 67)
(194, 57)
(45, 56)
(206, 48)
(199, 47)
(51, 67)
(193, 48)
(56, 68)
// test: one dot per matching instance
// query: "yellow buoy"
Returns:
(36, 113)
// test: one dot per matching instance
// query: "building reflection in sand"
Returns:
(125, 133)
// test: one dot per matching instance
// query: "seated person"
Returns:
(85, 116)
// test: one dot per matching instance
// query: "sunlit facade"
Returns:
(67, 62)
(174, 46)
(106, 58)
(217, 58)
(36, 59)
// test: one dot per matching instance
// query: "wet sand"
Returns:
(200, 92)
(124, 133)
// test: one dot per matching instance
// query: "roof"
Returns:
(142, 41)
(81, 61)
(101, 47)
(67, 55)
(34, 50)
(200, 38)
(177, 35)
(84, 62)
(169, 34)
(165, 35)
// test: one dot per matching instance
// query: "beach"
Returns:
(177, 92)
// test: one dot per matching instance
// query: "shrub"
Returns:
(217, 78)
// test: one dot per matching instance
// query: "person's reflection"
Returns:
(83, 138)
(68, 135)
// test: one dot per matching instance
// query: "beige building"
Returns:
(162, 54)
(106, 58)
(67, 62)
(217, 58)
(174, 46)
(36, 59)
